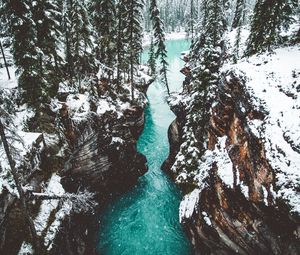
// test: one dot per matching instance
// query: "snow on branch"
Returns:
(82, 202)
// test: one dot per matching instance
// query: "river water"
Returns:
(145, 220)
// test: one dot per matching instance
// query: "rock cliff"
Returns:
(89, 145)
(242, 190)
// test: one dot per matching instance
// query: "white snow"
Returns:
(169, 36)
(117, 140)
(79, 106)
(206, 218)
(54, 227)
(176, 35)
(231, 39)
(142, 75)
(79, 103)
(4, 82)
(221, 157)
(188, 205)
(255, 127)
(26, 249)
(65, 88)
(273, 81)
(105, 106)
(41, 222)
(29, 138)
(54, 187)
(244, 190)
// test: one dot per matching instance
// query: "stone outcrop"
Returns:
(245, 217)
(106, 160)
(96, 152)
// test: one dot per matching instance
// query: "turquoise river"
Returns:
(145, 220)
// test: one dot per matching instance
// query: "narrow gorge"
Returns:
(145, 127)
(145, 220)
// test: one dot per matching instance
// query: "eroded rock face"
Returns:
(242, 216)
(108, 162)
(175, 141)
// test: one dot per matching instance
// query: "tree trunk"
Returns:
(131, 76)
(237, 20)
(22, 198)
(5, 63)
(192, 20)
(166, 82)
(119, 45)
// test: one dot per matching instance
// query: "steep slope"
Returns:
(87, 143)
(243, 190)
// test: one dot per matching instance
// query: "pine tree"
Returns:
(269, 18)
(25, 51)
(104, 24)
(205, 61)
(46, 17)
(34, 31)
(3, 32)
(160, 39)
(192, 19)
(209, 46)
(238, 15)
(78, 40)
(152, 58)
(121, 10)
(237, 23)
(134, 35)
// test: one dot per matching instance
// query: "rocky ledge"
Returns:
(242, 190)
(85, 150)
(106, 162)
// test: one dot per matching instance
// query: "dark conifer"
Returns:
(121, 11)
(46, 16)
(152, 58)
(78, 40)
(270, 16)
(237, 23)
(134, 34)
(159, 35)
(25, 51)
(104, 24)
(238, 14)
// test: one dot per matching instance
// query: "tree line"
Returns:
(53, 40)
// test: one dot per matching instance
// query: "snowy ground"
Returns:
(45, 228)
(79, 107)
(4, 82)
(273, 81)
(79, 103)
(20, 140)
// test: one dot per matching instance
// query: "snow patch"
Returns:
(169, 36)
(206, 218)
(26, 249)
(54, 187)
(221, 157)
(273, 81)
(188, 205)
